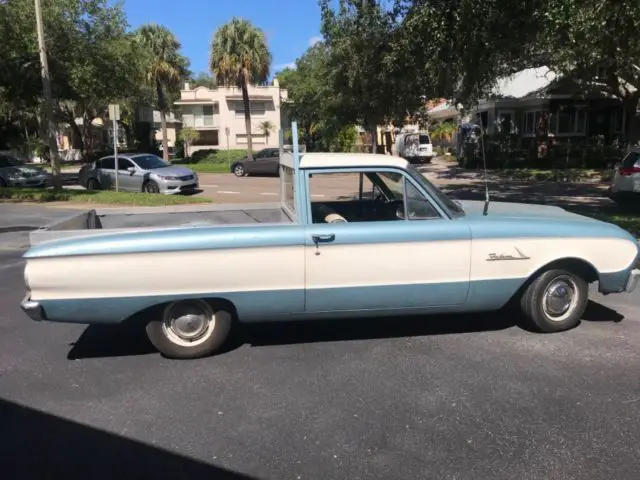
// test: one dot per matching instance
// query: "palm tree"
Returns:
(165, 68)
(240, 57)
(266, 128)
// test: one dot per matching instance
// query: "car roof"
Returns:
(337, 159)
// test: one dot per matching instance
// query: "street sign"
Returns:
(227, 131)
(114, 111)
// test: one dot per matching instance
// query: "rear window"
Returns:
(631, 160)
(424, 139)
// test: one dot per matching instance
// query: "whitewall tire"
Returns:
(190, 329)
(555, 300)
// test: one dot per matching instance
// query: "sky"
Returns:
(291, 26)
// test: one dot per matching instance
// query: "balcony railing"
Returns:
(201, 121)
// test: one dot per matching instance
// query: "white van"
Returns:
(415, 147)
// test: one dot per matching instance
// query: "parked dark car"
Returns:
(265, 162)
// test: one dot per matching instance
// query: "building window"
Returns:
(207, 115)
(617, 120)
(568, 122)
(258, 109)
(505, 121)
(241, 138)
(529, 122)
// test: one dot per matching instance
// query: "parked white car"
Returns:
(625, 184)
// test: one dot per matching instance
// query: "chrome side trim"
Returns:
(32, 309)
(633, 280)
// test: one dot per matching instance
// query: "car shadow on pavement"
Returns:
(130, 338)
(35, 444)
(596, 312)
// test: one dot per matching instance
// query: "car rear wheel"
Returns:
(151, 187)
(239, 170)
(190, 329)
(555, 301)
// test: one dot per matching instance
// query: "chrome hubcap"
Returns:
(188, 321)
(559, 297)
(239, 170)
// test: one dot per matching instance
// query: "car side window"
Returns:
(367, 196)
(418, 207)
(108, 163)
(124, 163)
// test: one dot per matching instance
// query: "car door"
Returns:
(258, 165)
(272, 161)
(129, 181)
(107, 172)
(377, 262)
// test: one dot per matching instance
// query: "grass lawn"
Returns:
(214, 161)
(554, 175)
(206, 167)
(41, 195)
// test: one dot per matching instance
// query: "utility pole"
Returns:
(50, 127)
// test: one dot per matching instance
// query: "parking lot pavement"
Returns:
(444, 397)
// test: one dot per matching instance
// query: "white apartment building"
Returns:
(218, 114)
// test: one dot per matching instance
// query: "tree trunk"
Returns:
(165, 141)
(163, 120)
(247, 118)
(374, 138)
(78, 136)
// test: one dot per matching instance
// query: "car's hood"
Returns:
(172, 171)
(507, 210)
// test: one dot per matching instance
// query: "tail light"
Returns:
(627, 171)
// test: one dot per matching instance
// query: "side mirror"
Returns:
(131, 170)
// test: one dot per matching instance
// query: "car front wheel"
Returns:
(151, 187)
(555, 301)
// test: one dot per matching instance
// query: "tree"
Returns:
(91, 60)
(240, 57)
(188, 135)
(203, 79)
(596, 43)
(458, 49)
(266, 128)
(165, 68)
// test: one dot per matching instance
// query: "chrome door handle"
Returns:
(330, 237)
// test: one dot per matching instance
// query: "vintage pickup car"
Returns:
(354, 235)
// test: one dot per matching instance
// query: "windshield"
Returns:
(149, 162)
(455, 208)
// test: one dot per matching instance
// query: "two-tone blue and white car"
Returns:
(393, 244)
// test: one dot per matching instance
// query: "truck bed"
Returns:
(96, 222)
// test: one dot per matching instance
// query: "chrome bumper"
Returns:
(633, 280)
(32, 309)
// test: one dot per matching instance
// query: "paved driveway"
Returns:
(445, 398)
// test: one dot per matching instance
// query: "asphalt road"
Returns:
(445, 398)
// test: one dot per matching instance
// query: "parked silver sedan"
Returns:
(143, 172)
(14, 173)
